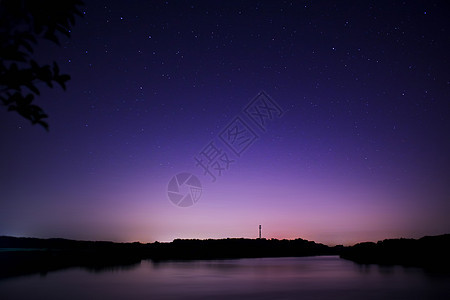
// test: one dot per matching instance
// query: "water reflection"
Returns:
(113, 268)
(260, 278)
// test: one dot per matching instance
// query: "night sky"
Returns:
(359, 150)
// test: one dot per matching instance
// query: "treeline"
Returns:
(238, 248)
(430, 252)
(20, 256)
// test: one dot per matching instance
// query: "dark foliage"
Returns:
(22, 24)
(20, 256)
(430, 252)
(238, 248)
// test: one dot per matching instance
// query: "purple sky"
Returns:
(360, 153)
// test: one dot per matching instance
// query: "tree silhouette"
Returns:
(22, 24)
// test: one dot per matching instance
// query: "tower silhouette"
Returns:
(259, 231)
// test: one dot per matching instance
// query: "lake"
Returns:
(320, 277)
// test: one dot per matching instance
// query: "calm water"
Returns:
(326, 277)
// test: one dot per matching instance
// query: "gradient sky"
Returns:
(361, 152)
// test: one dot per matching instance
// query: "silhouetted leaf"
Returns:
(28, 98)
(63, 30)
(29, 20)
(33, 88)
(26, 45)
(50, 35)
(34, 65)
(43, 124)
(29, 36)
(55, 69)
(62, 79)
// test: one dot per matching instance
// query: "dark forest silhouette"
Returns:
(31, 255)
(430, 252)
(21, 256)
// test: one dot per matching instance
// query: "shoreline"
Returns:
(26, 256)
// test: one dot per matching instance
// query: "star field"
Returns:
(360, 153)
